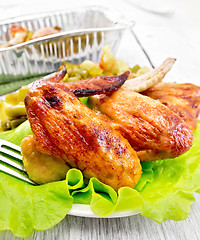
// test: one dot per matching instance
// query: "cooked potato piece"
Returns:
(22, 93)
(40, 167)
(108, 60)
(11, 98)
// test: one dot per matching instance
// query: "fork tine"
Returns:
(12, 163)
(15, 174)
(4, 145)
(10, 153)
(10, 145)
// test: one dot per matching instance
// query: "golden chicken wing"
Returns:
(183, 99)
(153, 130)
(65, 128)
(145, 123)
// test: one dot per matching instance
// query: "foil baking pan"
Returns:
(83, 33)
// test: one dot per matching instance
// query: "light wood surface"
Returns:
(158, 37)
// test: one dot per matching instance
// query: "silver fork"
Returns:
(11, 161)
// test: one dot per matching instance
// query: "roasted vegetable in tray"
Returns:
(18, 34)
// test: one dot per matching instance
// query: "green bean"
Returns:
(16, 122)
(16, 111)
(83, 73)
(6, 125)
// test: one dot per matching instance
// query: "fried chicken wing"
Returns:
(145, 123)
(153, 130)
(183, 99)
(87, 87)
(65, 128)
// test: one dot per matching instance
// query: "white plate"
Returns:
(83, 210)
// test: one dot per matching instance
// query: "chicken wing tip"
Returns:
(63, 72)
(150, 79)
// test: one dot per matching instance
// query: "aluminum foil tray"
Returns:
(83, 33)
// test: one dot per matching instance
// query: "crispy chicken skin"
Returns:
(65, 128)
(146, 124)
(183, 99)
(87, 87)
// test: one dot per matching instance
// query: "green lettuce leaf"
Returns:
(16, 135)
(168, 190)
(165, 191)
(25, 208)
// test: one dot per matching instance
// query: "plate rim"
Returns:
(84, 210)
